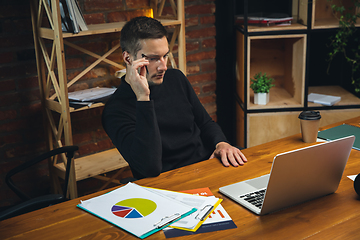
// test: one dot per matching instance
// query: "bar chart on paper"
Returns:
(133, 208)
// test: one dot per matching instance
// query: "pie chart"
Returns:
(133, 208)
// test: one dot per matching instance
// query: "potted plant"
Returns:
(345, 41)
(261, 85)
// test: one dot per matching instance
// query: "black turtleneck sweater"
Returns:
(171, 130)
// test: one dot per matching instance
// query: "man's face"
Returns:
(156, 52)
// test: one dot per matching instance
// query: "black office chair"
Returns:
(31, 204)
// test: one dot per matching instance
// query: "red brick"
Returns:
(109, 82)
(94, 18)
(207, 99)
(9, 99)
(26, 83)
(96, 47)
(201, 33)
(200, 9)
(15, 10)
(78, 86)
(189, 22)
(101, 134)
(207, 19)
(192, 46)
(8, 114)
(98, 72)
(7, 85)
(95, 147)
(209, 88)
(29, 110)
(201, 56)
(126, 16)
(6, 57)
(137, 3)
(192, 69)
(16, 25)
(36, 133)
(74, 63)
(101, 5)
(29, 96)
(25, 150)
(168, 12)
(209, 43)
(18, 70)
(197, 90)
(10, 139)
(15, 41)
(208, 66)
(211, 108)
(13, 126)
(214, 117)
(82, 138)
(208, 77)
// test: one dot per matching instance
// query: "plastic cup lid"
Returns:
(310, 115)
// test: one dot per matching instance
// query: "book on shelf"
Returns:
(72, 19)
(264, 19)
(323, 99)
(71, 7)
(80, 17)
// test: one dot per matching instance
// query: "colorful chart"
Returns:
(133, 208)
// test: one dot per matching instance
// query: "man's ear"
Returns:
(126, 58)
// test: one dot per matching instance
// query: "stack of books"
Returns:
(72, 19)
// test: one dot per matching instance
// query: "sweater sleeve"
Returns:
(135, 133)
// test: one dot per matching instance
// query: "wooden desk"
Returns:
(335, 215)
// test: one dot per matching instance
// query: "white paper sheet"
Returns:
(134, 208)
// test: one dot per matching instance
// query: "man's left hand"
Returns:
(229, 155)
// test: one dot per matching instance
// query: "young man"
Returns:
(154, 118)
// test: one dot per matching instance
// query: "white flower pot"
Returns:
(261, 98)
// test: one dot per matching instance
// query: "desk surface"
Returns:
(333, 216)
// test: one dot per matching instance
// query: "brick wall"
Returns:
(21, 123)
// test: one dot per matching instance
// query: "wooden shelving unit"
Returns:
(322, 15)
(53, 82)
(283, 53)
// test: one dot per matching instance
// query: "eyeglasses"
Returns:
(156, 59)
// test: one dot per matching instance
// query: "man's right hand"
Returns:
(137, 79)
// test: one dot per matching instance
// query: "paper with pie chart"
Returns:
(136, 210)
(133, 208)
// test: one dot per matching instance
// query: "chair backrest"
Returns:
(69, 150)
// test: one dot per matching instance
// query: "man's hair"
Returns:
(137, 29)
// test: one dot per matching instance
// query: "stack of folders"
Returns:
(90, 96)
(72, 19)
(143, 211)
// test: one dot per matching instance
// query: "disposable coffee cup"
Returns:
(309, 122)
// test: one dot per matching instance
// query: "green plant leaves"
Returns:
(261, 83)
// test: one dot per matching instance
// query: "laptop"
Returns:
(296, 176)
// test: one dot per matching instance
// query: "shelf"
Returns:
(294, 26)
(323, 16)
(279, 98)
(56, 106)
(99, 29)
(347, 98)
(95, 164)
(282, 57)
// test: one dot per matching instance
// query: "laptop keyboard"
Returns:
(255, 198)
